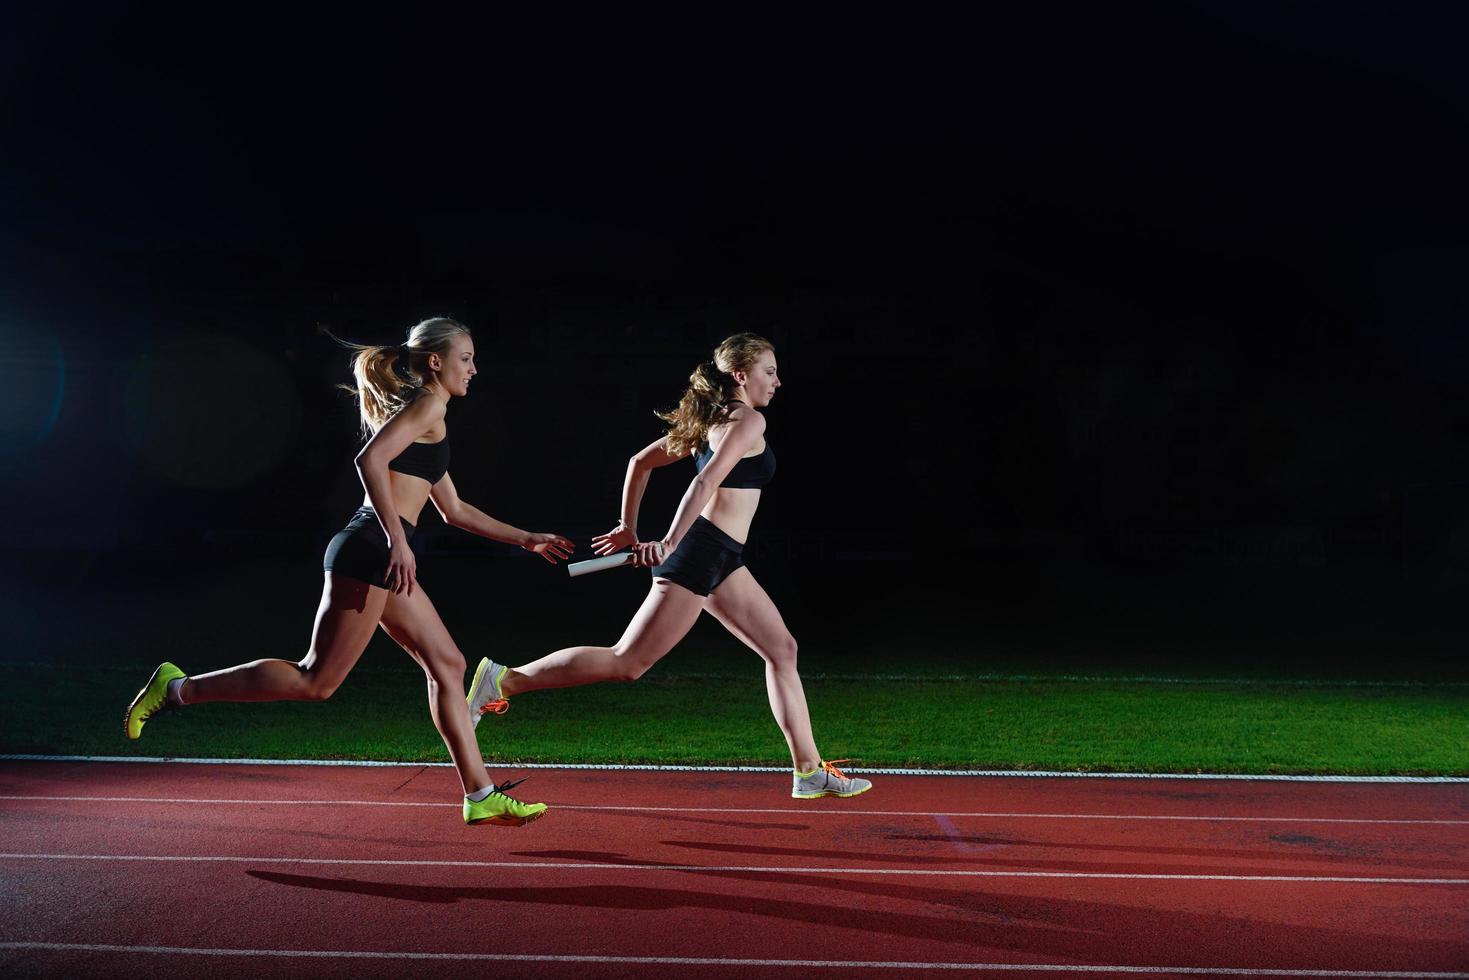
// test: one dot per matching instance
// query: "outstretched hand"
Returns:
(614, 540)
(549, 546)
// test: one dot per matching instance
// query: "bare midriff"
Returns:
(410, 493)
(731, 509)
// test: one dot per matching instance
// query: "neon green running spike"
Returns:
(152, 699)
(502, 810)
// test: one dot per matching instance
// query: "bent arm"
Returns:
(742, 436)
(385, 445)
(643, 463)
(457, 513)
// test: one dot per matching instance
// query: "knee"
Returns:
(314, 687)
(628, 672)
(446, 666)
(311, 683)
(627, 667)
(782, 654)
(443, 666)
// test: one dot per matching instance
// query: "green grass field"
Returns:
(673, 718)
(880, 696)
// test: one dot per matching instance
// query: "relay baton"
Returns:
(599, 564)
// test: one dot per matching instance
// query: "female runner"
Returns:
(371, 569)
(697, 565)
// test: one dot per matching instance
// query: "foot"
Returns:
(484, 693)
(502, 810)
(827, 781)
(152, 699)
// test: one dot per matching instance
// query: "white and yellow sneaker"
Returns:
(484, 691)
(828, 780)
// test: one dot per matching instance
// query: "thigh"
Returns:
(345, 621)
(749, 613)
(414, 623)
(664, 618)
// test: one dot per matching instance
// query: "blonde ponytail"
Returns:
(389, 378)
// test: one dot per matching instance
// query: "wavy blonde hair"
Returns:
(390, 377)
(705, 402)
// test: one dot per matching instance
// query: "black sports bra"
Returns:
(425, 460)
(750, 473)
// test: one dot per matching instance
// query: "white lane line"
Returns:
(817, 810)
(722, 868)
(485, 956)
(599, 766)
(181, 799)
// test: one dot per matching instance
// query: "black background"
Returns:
(1171, 294)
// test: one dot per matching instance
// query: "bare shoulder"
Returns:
(420, 417)
(425, 411)
(743, 430)
(746, 420)
(433, 408)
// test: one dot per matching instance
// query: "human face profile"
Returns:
(761, 380)
(457, 365)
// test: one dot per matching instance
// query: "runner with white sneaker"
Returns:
(697, 566)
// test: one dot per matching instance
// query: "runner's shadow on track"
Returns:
(961, 840)
(1048, 924)
(1334, 851)
(1140, 863)
(737, 824)
(906, 925)
(1298, 847)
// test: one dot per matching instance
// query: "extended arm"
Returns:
(457, 513)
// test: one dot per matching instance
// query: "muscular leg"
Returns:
(664, 618)
(413, 621)
(345, 620)
(746, 611)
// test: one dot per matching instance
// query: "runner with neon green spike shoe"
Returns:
(370, 571)
(152, 699)
(502, 810)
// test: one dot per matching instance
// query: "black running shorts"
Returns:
(360, 550)
(705, 557)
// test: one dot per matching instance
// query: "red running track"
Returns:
(113, 869)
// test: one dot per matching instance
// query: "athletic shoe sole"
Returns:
(829, 792)
(506, 820)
